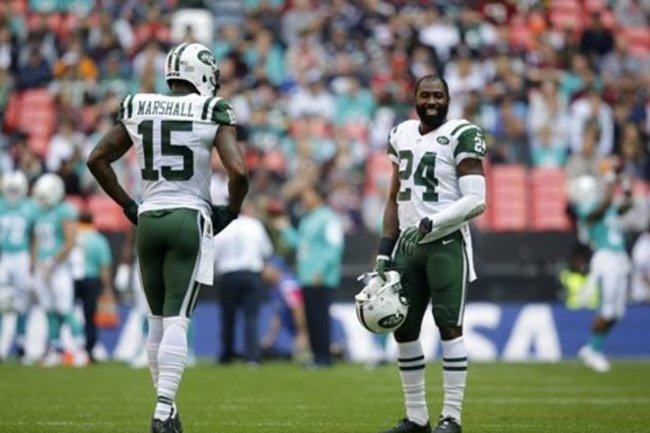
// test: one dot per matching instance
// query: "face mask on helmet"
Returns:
(195, 64)
(48, 190)
(381, 308)
(14, 186)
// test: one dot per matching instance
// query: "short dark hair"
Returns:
(432, 77)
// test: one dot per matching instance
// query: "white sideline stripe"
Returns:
(561, 401)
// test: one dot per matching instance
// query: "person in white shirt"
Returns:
(241, 251)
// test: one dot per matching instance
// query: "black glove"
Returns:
(221, 217)
(131, 212)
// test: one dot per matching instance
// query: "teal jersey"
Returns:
(606, 233)
(48, 229)
(319, 240)
(96, 251)
(16, 223)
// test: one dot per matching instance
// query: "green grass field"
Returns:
(500, 398)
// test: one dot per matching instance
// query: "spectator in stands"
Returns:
(305, 54)
(149, 66)
(509, 133)
(439, 32)
(464, 76)
(630, 13)
(301, 17)
(634, 158)
(65, 144)
(267, 57)
(619, 62)
(587, 161)
(25, 159)
(592, 106)
(35, 73)
(312, 98)
(548, 126)
(596, 40)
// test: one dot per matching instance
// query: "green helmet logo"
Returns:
(207, 57)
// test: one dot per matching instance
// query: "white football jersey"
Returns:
(427, 166)
(173, 136)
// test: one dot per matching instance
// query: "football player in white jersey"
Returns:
(437, 186)
(55, 232)
(16, 225)
(174, 136)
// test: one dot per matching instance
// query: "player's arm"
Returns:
(110, 148)
(471, 182)
(233, 160)
(69, 237)
(390, 227)
(599, 211)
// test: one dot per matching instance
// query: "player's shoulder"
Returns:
(455, 128)
(405, 127)
(217, 110)
(66, 210)
(402, 130)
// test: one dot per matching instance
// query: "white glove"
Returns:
(122, 277)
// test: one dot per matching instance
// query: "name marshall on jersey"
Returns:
(164, 108)
(198, 108)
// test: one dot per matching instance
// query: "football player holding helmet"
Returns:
(381, 307)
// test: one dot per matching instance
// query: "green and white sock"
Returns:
(411, 370)
(454, 376)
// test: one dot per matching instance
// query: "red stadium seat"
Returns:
(107, 215)
(77, 201)
(548, 200)
(507, 197)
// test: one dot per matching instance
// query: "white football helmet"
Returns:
(381, 307)
(582, 189)
(48, 190)
(14, 186)
(195, 64)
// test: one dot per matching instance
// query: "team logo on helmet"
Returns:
(207, 57)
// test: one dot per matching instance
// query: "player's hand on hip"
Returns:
(131, 212)
(221, 217)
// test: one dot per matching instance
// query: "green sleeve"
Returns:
(222, 113)
(470, 143)
(126, 108)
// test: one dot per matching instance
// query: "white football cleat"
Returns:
(52, 359)
(594, 360)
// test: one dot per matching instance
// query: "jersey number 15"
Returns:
(167, 148)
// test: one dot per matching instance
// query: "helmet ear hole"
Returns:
(205, 79)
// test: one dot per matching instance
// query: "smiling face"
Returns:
(431, 102)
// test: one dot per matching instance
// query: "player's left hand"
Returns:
(412, 236)
(221, 217)
(131, 212)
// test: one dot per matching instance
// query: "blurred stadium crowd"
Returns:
(558, 86)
